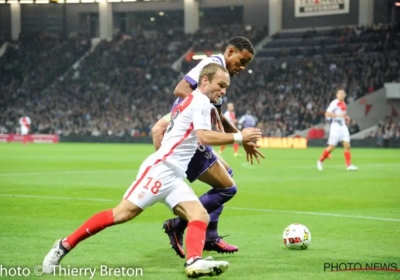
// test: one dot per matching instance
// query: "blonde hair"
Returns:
(209, 71)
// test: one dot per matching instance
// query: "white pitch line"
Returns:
(314, 213)
(232, 208)
(64, 172)
(332, 166)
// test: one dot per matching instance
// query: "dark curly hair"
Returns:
(241, 43)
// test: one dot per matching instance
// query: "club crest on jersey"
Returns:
(175, 113)
(141, 195)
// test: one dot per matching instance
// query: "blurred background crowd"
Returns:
(123, 86)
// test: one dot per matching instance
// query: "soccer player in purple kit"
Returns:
(206, 165)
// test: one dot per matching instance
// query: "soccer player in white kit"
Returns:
(231, 117)
(206, 166)
(337, 114)
(25, 124)
(161, 177)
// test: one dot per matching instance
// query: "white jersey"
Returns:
(193, 76)
(337, 107)
(230, 116)
(180, 141)
(338, 131)
(25, 123)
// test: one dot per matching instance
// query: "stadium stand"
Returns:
(27, 67)
(211, 38)
(119, 89)
(313, 63)
(386, 130)
(126, 84)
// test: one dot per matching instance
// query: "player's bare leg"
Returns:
(224, 163)
(325, 154)
(219, 176)
(124, 212)
(347, 156)
(198, 219)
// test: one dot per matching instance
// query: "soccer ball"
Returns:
(297, 237)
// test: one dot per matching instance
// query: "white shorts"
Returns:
(158, 182)
(24, 130)
(338, 133)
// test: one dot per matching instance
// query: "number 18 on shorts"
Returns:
(159, 182)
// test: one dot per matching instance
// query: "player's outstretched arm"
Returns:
(183, 89)
(158, 130)
(211, 138)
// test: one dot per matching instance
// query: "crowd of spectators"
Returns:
(121, 88)
(293, 94)
(115, 90)
(28, 66)
(210, 40)
(126, 84)
(214, 39)
(349, 42)
(387, 130)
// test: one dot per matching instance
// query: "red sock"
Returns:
(195, 238)
(236, 148)
(24, 139)
(222, 148)
(92, 226)
(324, 155)
(347, 157)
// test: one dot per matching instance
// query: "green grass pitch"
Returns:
(47, 191)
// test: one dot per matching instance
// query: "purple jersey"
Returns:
(204, 157)
(193, 76)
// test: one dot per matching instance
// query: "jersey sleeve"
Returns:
(242, 119)
(202, 117)
(331, 107)
(193, 76)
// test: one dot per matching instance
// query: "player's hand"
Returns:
(216, 120)
(347, 118)
(251, 150)
(251, 134)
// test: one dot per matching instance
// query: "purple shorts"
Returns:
(202, 160)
